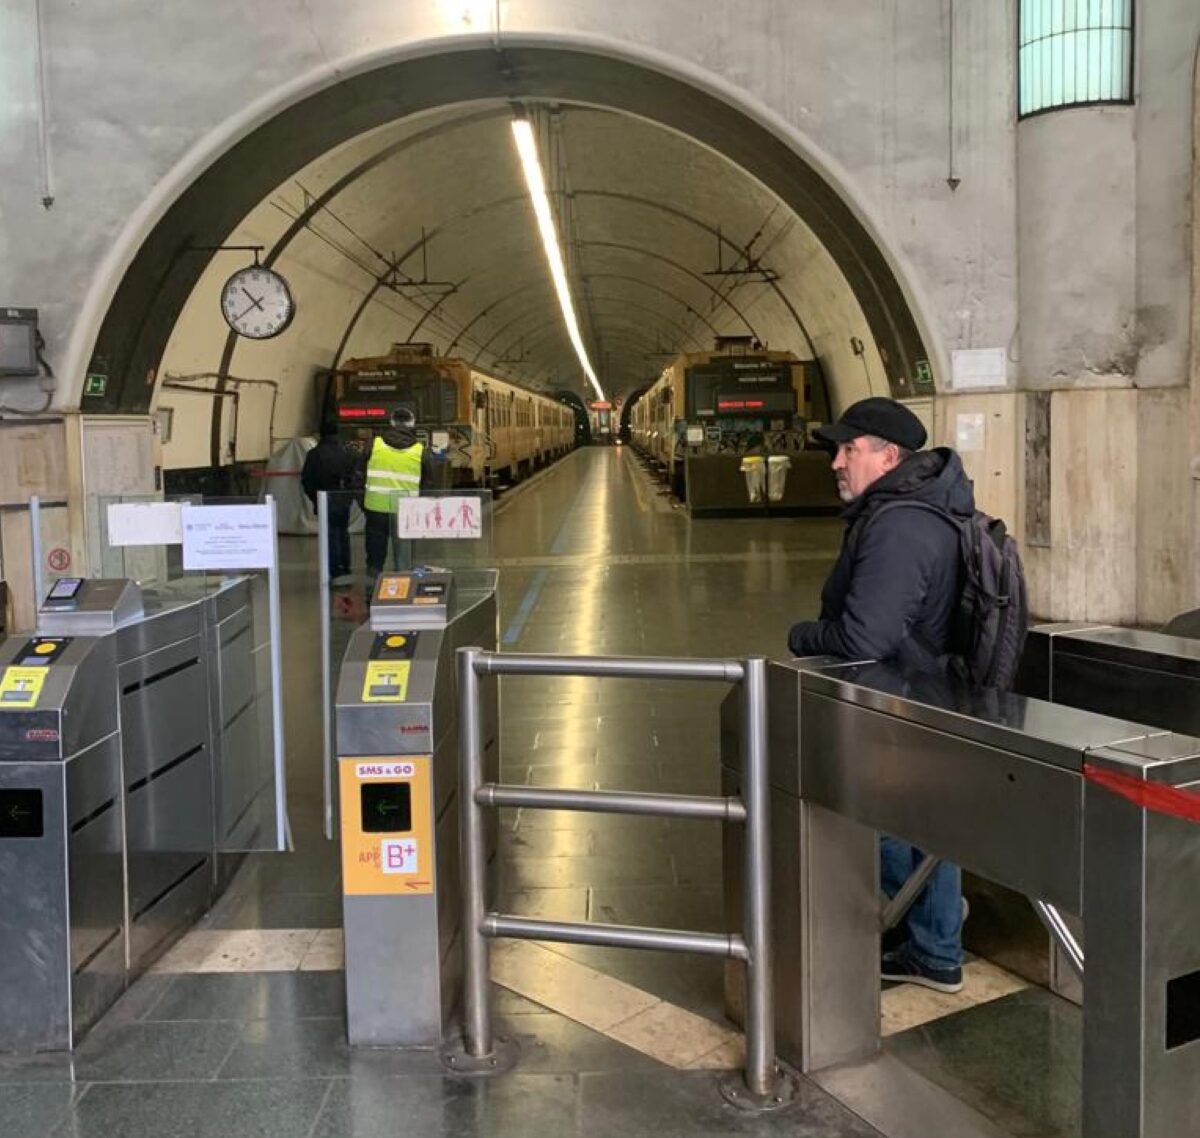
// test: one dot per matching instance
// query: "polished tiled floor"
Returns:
(240, 1031)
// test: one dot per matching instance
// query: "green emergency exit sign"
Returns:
(95, 384)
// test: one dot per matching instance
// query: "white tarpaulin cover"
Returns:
(293, 512)
(292, 509)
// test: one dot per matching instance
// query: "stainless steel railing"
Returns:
(752, 946)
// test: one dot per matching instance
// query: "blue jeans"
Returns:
(934, 923)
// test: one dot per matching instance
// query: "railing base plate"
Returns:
(735, 1092)
(503, 1057)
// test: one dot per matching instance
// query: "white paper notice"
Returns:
(228, 537)
(439, 517)
(144, 523)
(978, 367)
(969, 433)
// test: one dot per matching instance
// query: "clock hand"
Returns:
(253, 302)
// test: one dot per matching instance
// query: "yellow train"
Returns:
(707, 411)
(488, 429)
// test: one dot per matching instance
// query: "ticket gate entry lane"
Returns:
(397, 747)
(1006, 786)
(62, 957)
(128, 786)
(1152, 677)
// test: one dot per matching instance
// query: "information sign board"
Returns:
(228, 537)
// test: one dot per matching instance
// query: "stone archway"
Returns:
(161, 273)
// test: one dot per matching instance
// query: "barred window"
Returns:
(1074, 53)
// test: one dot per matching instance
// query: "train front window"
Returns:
(433, 398)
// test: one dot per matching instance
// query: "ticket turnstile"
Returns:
(134, 769)
(62, 910)
(1088, 813)
(1144, 676)
(397, 747)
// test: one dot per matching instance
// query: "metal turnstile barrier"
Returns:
(397, 800)
(762, 1086)
(136, 767)
(1150, 677)
(1093, 815)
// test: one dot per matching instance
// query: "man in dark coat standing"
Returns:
(330, 466)
(891, 597)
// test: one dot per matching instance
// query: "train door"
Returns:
(481, 426)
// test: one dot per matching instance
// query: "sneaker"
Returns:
(342, 579)
(900, 968)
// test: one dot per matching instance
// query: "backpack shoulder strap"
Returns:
(860, 528)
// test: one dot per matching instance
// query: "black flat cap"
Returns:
(883, 418)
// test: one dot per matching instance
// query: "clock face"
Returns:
(256, 303)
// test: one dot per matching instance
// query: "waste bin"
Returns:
(754, 469)
(778, 466)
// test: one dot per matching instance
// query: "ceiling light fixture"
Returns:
(534, 179)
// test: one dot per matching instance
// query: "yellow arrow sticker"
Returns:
(20, 688)
(386, 681)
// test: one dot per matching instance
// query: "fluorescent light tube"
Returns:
(534, 179)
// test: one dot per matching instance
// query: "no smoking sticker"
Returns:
(58, 560)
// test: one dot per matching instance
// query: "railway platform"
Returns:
(240, 1028)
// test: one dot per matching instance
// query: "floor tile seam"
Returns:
(682, 1017)
(145, 1016)
(238, 1036)
(230, 1080)
(312, 1129)
(216, 934)
(616, 984)
(658, 1003)
(697, 1064)
(253, 1019)
(63, 1118)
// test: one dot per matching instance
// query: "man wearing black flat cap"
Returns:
(891, 597)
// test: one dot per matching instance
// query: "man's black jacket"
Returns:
(328, 466)
(899, 575)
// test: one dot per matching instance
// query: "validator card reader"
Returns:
(416, 598)
(88, 606)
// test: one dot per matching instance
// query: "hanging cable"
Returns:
(48, 372)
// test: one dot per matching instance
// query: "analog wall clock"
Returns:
(257, 303)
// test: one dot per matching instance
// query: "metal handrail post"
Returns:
(760, 1087)
(760, 1023)
(477, 1019)
(327, 716)
(283, 825)
(35, 550)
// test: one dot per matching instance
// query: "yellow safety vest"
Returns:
(392, 474)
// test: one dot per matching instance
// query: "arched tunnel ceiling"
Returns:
(646, 217)
(643, 200)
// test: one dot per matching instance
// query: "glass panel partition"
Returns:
(449, 529)
(236, 618)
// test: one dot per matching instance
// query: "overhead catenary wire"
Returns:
(438, 321)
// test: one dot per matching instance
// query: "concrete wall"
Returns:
(863, 86)
(33, 461)
(1105, 208)
(1077, 247)
(139, 99)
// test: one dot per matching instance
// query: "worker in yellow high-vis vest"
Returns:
(393, 471)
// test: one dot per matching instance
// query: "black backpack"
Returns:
(988, 629)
